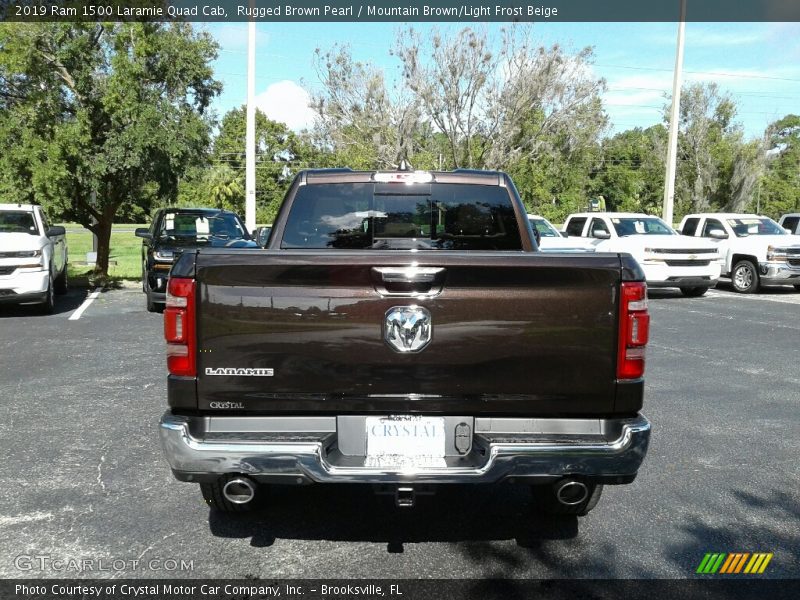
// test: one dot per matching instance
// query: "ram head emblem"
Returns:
(407, 328)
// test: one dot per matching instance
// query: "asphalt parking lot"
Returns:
(83, 475)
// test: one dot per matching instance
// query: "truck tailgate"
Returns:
(513, 333)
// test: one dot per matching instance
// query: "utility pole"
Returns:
(674, 114)
(250, 142)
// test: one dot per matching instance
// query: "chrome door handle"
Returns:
(408, 274)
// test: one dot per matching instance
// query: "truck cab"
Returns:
(756, 250)
(33, 257)
(668, 260)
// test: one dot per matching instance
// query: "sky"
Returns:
(757, 63)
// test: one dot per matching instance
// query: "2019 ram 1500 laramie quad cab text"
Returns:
(402, 329)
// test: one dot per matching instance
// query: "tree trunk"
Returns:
(104, 242)
(103, 250)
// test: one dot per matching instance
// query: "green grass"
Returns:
(125, 250)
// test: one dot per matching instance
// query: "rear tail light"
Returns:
(179, 327)
(634, 330)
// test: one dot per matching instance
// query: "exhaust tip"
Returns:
(239, 490)
(571, 493)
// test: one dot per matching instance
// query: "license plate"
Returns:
(405, 441)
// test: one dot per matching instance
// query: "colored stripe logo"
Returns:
(732, 563)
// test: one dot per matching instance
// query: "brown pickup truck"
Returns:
(402, 329)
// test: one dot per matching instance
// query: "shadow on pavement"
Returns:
(771, 526)
(64, 304)
(354, 513)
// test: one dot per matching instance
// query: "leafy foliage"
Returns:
(100, 120)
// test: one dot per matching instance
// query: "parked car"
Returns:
(401, 329)
(175, 230)
(791, 223)
(551, 239)
(33, 257)
(756, 250)
(668, 259)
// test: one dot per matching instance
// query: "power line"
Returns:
(713, 73)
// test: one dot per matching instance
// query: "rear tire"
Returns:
(151, 306)
(212, 494)
(693, 292)
(545, 498)
(744, 277)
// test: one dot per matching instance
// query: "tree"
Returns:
(464, 101)
(280, 153)
(102, 118)
(358, 121)
(780, 186)
(630, 174)
(498, 104)
(717, 169)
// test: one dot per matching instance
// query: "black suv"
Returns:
(175, 229)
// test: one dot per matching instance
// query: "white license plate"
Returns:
(405, 441)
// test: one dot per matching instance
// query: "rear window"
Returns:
(575, 226)
(790, 223)
(690, 227)
(391, 216)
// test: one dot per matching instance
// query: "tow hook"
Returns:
(405, 497)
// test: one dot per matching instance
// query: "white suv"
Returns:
(668, 259)
(756, 249)
(33, 257)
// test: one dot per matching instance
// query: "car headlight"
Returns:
(774, 253)
(166, 255)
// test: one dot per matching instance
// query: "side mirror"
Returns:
(261, 235)
(789, 231)
(718, 234)
(564, 234)
(143, 232)
(56, 230)
(601, 235)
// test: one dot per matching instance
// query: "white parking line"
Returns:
(781, 299)
(79, 311)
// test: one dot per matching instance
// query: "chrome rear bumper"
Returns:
(313, 457)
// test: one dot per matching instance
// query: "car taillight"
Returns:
(179, 327)
(634, 329)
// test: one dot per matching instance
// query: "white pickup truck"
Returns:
(668, 259)
(756, 249)
(33, 257)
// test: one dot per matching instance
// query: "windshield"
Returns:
(17, 221)
(544, 228)
(399, 216)
(641, 226)
(755, 226)
(189, 227)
